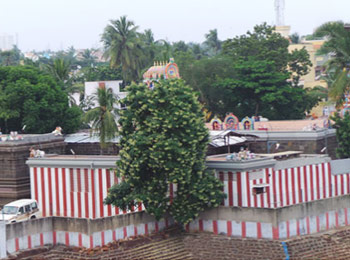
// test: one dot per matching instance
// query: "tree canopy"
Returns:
(343, 135)
(163, 142)
(33, 99)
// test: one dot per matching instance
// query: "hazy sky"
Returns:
(57, 24)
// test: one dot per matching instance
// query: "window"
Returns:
(34, 206)
(259, 188)
(27, 208)
(21, 210)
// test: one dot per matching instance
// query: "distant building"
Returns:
(7, 41)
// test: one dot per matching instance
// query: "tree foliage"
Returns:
(29, 97)
(338, 44)
(343, 135)
(103, 117)
(163, 141)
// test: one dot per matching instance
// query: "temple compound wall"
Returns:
(269, 197)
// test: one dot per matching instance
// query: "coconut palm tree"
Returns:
(123, 47)
(338, 45)
(103, 118)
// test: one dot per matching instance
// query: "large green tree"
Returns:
(343, 135)
(123, 47)
(163, 142)
(31, 98)
(338, 44)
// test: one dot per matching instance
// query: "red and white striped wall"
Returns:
(74, 192)
(82, 240)
(286, 229)
(284, 187)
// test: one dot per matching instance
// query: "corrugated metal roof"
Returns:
(85, 138)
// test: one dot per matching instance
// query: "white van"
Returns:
(20, 210)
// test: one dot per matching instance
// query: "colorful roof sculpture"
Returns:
(231, 122)
(248, 123)
(161, 70)
(216, 123)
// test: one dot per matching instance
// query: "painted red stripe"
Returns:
(101, 192)
(86, 192)
(329, 180)
(221, 177)
(103, 238)
(229, 228)
(255, 196)
(116, 208)
(29, 242)
(311, 186)
(36, 185)
(305, 185)
(93, 193)
(298, 228)
(336, 184)
(239, 189)
(324, 181)
(41, 239)
(230, 189)
(274, 186)
(50, 191)
(80, 240)
(285, 173)
(114, 235)
(67, 239)
(336, 215)
(215, 227)
(17, 244)
(157, 226)
(244, 229)
(54, 237)
(139, 206)
(108, 183)
(299, 187)
(346, 216)
(71, 174)
(288, 229)
(125, 232)
(317, 224)
(91, 241)
(135, 231)
(79, 192)
(275, 233)
(342, 184)
(57, 193)
(308, 224)
(347, 184)
(248, 189)
(64, 192)
(294, 200)
(200, 225)
(280, 187)
(146, 229)
(258, 229)
(43, 193)
(327, 221)
(268, 188)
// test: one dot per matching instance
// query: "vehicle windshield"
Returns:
(9, 210)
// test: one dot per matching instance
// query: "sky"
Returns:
(59, 24)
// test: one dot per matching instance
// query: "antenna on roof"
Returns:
(279, 9)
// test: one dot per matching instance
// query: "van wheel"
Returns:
(32, 217)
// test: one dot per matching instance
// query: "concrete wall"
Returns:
(79, 232)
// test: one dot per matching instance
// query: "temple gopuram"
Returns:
(161, 70)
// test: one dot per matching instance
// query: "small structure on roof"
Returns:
(161, 70)
(231, 122)
(248, 123)
(216, 124)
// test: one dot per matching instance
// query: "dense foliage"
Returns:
(338, 68)
(164, 141)
(343, 135)
(33, 99)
